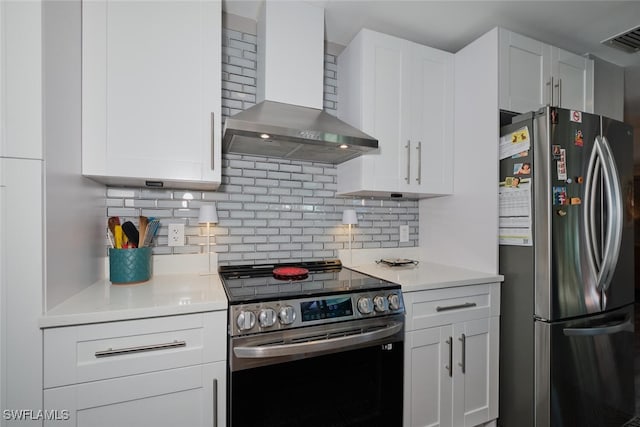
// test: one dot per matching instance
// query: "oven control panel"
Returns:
(259, 317)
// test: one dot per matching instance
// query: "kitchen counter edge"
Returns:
(165, 295)
(427, 275)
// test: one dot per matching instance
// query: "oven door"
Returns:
(345, 374)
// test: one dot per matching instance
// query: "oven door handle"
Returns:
(257, 352)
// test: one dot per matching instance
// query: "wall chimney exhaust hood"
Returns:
(288, 122)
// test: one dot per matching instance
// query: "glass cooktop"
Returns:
(253, 283)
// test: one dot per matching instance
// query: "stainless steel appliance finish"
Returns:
(331, 341)
(566, 355)
(275, 129)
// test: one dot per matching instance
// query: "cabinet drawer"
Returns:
(437, 307)
(106, 350)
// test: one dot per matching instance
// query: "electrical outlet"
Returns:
(404, 233)
(176, 235)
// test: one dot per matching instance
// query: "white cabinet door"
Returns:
(151, 82)
(21, 77)
(475, 394)
(190, 396)
(573, 80)
(429, 110)
(383, 107)
(21, 284)
(525, 73)
(370, 72)
(427, 384)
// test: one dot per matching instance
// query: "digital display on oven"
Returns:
(326, 309)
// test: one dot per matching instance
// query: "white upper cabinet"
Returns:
(402, 94)
(534, 74)
(573, 80)
(21, 79)
(525, 67)
(151, 77)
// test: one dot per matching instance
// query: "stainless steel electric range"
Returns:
(313, 344)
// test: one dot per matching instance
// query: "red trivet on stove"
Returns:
(290, 273)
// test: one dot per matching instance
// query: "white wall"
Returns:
(75, 206)
(461, 230)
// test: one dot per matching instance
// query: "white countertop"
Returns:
(423, 276)
(427, 275)
(176, 289)
(165, 294)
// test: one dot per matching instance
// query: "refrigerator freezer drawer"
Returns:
(582, 370)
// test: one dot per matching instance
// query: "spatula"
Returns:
(131, 232)
(111, 223)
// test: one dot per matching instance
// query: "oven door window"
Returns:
(361, 387)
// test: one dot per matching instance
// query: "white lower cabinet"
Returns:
(451, 365)
(191, 396)
(165, 371)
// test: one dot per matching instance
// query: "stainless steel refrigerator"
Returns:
(566, 252)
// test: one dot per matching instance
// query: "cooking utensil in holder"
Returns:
(128, 266)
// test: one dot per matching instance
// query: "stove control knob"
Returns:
(380, 303)
(394, 301)
(365, 305)
(246, 320)
(267, 317)
(287, 315)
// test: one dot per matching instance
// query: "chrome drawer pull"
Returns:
(111, 352)
(455, 307)
(450, 365)
(463, 364)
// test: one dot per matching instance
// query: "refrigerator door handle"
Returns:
(589, 213)
(613, 238)
(624, 326)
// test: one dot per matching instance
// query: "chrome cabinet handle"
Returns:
(316, 345)
(450, 365)
(128, 350)
(463, 364)
(419, 148)
(550, 84)
(213, 141)
(559, 92)
(215, 402)
(408, 147)
(455, 307)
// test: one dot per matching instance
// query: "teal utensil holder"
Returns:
(130, 265)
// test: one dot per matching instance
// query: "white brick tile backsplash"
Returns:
(269, 210)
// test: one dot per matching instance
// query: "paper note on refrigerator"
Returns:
(514, 227)
(514, 143)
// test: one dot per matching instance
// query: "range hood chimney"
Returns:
(288, 120)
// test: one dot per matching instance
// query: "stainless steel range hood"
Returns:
(288, 121)
(275, 129)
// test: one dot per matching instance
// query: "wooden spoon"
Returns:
(143, 222)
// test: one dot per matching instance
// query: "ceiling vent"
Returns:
(629, 41)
